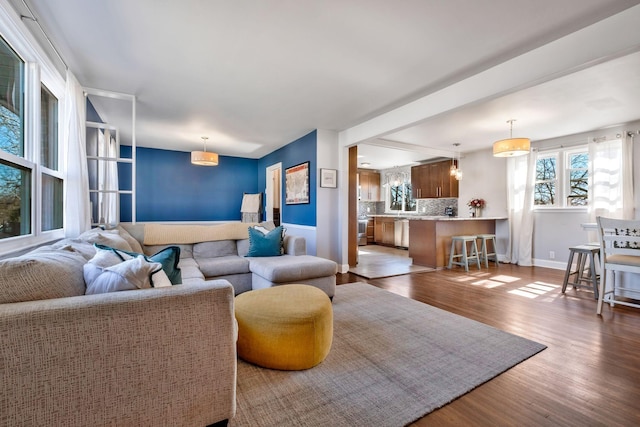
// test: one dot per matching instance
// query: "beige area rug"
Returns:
(375, 261)
(393, 360)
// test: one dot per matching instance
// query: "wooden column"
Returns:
(352, 254)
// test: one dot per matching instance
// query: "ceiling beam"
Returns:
(607, 39)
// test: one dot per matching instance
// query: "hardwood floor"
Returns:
(588, 376)
(376, 261)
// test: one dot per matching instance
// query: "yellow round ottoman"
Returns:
(287, 327)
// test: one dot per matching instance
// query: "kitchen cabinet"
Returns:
(368, 185)
(384, 231)
(433, 180)
(370, 231)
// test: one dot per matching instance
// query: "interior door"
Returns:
(273, 192)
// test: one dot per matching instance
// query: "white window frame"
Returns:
(39, 70)
(563, 178)
(387, 202)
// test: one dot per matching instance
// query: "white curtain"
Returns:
(108, 179)
(611, 178)
(520, 181)
(76, 205)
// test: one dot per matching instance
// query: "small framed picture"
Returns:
(329, 178)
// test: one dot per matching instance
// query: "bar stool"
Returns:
(585, 252)
(484, 255)
(466, 257)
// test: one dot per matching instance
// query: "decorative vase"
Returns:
(478, 212)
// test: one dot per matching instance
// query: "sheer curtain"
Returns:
(611, 178)
(108, 179)
(520, 180)
(76, 205)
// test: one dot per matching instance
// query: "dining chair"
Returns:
(619, 252)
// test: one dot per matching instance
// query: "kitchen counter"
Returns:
(437, 218)
(430, 237)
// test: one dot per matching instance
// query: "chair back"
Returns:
(618, 237)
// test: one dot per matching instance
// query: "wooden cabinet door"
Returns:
(378, 232)
(369, 185)
(420, 181)
(449, 183)
(389, 235)
(370, 231)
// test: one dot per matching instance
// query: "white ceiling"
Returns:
(255, 75)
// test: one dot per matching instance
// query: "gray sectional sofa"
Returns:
(226, 259)
(158, 356)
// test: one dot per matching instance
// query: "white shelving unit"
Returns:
(103, 140)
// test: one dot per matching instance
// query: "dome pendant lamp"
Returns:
(204, 158)
(511, 147)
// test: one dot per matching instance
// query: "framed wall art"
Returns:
(329, 178)
(297, 184)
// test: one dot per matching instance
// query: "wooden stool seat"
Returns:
(591, 279)
(464, 255)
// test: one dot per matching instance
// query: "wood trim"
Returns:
(352, 252)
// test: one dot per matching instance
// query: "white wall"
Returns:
(554, 230)
(327, 212)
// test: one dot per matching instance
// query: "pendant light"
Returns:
(454, 170)
(204, 158)
(511, 147)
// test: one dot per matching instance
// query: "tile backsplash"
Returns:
(434, 207)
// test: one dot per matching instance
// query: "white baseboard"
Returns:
(556, 265)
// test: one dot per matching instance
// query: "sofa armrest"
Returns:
(295, 245)
(163, 356)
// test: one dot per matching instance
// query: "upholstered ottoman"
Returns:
(290, 269)
(288, 327)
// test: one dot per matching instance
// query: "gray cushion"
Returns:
(86, 249)
(135, 245)
(44, 274)
(289, 268)
(214, 249)
(243, 247)
(109, 238)
(190, 269)
(221, 266)
(186, 251)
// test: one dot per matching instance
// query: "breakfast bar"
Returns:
(430, 237)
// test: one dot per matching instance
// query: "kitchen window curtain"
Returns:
(520, 181)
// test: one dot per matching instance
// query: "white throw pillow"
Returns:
(131, 274)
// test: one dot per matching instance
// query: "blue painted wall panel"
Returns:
(170, 188)
(299, 151)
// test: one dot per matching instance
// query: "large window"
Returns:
(15, 173)
(31, 176)
(562, 178)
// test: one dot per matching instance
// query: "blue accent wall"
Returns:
(299, 151)
(170, 188)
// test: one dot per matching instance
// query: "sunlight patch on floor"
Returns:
(534, 290)
(488, 283)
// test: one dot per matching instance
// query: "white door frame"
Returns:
(270, 189)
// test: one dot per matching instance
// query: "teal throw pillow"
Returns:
(169, 258)
(269, 244)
